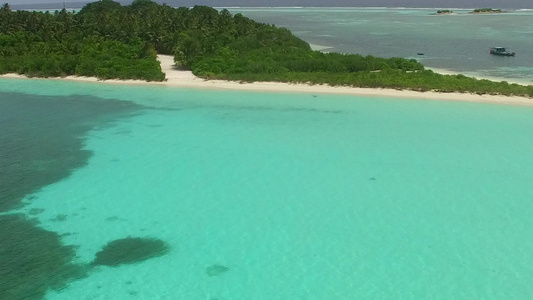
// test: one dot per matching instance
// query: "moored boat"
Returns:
(501, 51)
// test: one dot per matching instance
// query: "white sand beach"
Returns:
(478, 76)
(181, 78)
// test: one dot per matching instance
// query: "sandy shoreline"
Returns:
(491, 78)
(181, 78)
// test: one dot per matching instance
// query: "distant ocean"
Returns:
(457, 43)
(269, 196)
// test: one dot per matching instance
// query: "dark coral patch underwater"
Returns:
(130, 250)
(33, 260)
(42, 142)
(216, 270)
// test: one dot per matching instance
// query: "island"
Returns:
(443, 12)
(485, 11)
(107, 40)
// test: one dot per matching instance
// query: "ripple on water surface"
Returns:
(272, 196)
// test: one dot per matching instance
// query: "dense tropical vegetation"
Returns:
(486, 10)
(47, 44)
(108, 40)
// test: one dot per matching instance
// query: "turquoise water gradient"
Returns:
(301, 196)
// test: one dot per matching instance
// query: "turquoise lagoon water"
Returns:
(299, 196)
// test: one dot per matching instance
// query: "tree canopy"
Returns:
(108, 40)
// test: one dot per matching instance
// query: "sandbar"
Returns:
(176, 77)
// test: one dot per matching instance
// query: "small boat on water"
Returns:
(501, 51)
